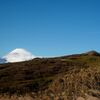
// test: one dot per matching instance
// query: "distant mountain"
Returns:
(18, 55)
(2, 60)
(93, 53)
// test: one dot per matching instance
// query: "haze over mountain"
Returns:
(17, 55)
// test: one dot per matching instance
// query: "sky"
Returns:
(50, 27)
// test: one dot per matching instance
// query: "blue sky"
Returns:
(50, 27)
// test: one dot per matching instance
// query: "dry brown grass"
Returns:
(64, 78)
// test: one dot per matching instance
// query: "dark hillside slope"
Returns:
(65, 77)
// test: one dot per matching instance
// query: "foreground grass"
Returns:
(66, 78)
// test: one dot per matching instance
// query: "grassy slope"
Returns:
(63, 77)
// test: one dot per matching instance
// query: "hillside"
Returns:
(73, 77)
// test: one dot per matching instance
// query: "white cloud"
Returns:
(19, 55)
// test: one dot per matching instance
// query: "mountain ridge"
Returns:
(20, 54)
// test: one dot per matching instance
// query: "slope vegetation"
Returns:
(74, 77)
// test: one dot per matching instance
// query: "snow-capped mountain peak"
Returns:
(18, 55)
